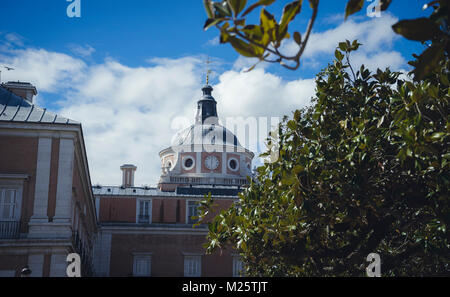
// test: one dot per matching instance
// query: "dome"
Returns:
(204, 134)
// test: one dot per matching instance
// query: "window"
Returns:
(11, 186)
(192, 211)
(233, 164)
(188, 163)
(8, 204)
(238, 267)
(144, 211)
(142, 265)
(192, 266)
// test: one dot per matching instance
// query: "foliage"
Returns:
(364, 169)
(264, 40)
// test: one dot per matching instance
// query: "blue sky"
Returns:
(141, 61)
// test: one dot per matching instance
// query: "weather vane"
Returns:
(208, 70)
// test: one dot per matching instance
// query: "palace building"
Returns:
(48, 207)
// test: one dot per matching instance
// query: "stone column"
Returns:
(63, 211)
(42, 181)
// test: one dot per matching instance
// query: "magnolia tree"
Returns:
(364, 169)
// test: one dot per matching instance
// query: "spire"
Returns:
(208, 71)
(207, 106)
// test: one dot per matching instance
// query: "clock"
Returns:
(211, 162)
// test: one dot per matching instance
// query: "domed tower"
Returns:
(205, 154)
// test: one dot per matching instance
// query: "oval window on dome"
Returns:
(188, 163)
(233, 164)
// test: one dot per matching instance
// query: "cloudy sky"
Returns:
(132, 73)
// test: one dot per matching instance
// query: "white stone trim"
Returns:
(41, 192)
(65, 178)
(198, 169)
(184, 159)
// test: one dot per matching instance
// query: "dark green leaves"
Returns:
(237, 5)
(209, 8)
(421, 29)
(255, 5)
(353, 6)
(428, 61)
(289, 13)
(297, 38)
(244, 48)
(222, 9)
(212, 22)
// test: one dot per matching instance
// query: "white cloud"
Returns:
(213, 42)
(50, 71)
(82, 51)
(375, 34)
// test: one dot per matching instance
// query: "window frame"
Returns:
(142, 256)
(237, 164)
(193, 257)
(184, 159)
(13, 182)
(138, 210)
(187, 211)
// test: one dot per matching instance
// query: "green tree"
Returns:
(364, 169)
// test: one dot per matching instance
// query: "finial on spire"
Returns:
(208, 71)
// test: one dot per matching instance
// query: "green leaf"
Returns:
(244, 48)
(297, 38)
(290, 11)
(237, 5)
(224, 36)
(222, 9)
(428, 61)
(298, 168)
(420, 29)
(259, 3)
(338, 55)
(353, 6)
(343, 46)
(209, 8)
(253, 32)
(438, 135)
(267, 20)
(212, 22)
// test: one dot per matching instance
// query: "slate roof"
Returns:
(14, 108)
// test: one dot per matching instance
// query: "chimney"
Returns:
(128, 175)
(22, 89)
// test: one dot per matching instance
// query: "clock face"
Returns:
(211, 162)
